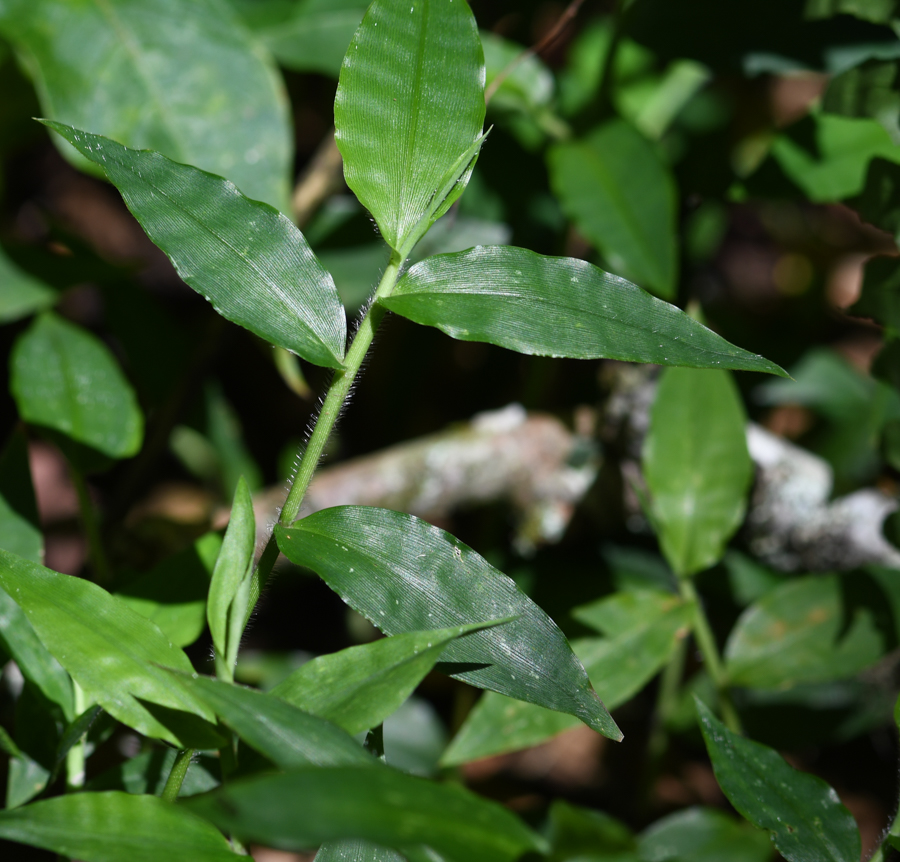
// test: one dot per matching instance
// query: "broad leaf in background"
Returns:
(66, 379)
(801, 632)
(115, 826)
(584, 835)
(867, 91)
(20, 531)
(304, 35)
(406, 575)
(803, 815)
(246, 258)
(697, 466)
(304, 808)
(113, 653)
(285, 734)
(226, 607)
(622, 197)
(359, 687)
(20, 294)
(642, 631)
(350, 850)
(409, 105)
(557, 306)
(703, 835)
(185, 79)
(173, 593)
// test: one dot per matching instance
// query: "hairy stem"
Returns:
(177, 775)
(99, 563)
(707, 643)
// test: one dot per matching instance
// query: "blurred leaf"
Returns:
(702, 835)
(415, 738)
(25, 780)
(248, 260)
(181, 78)
(373, 558)
(878, 11)
(114, 654)
(750, 580)
(799, 633)
(223, 427)
(696, 465)
(20, 530)
(148, 772)
(622, 197)
(409, 107)
(20, 294)
(867, 91)
(359, 687)
(65, 379)
(306, 807)
(285, 734)
(583, 834)
(113, 827)
(556, 306)
(827, 155)
(803, 815)
(879, 202)
(354, 850)
(234, 565)
(880, 297)
(173, 593)
(306, 36)
(643, 629)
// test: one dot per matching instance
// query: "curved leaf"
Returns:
(184, 79)
(409, 104)
(113, 653)
(246, 258)
(354, 850)
(622, 197)
(115, 827)
(20, 294)
(803, 814)
(406, 575)
(66, 379)
(703, 835)
(557, 306)
(304, 808)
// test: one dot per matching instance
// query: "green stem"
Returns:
(99, 563)
(707, 643)
(75, 759)
(338, 391)
(176, 776)
(666, 702)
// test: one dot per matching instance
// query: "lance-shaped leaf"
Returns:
(557, 306)
(113, 653)
(354, 850)
(623, 198)
(285, 734)
(408, 111)
(359, 687)
(697, 466)
(805, 818)
(20, 294)
(224, 610)
(307, 807)
(245, 257)
(115, 826)
(406, 575)
(66, 379)
(185, 79)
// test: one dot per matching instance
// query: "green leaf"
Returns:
(310, 36)
(643, 629)
(803, 814)
(233, 566)
(20, 529)
(623, 198)
(583, 835)
(246, 258)
(20, 294)
(173, 593)
(557, 306)
(113, 653)
(184, 79)
(867, 91)
(65, 379)
(408, 112)
(285, 734)
(799, 633)
(354, 850)
(305, 808)
(359, 687)
(697, 466)
(149, 770)
(406, 575)
(115, 827)
(702, 835)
